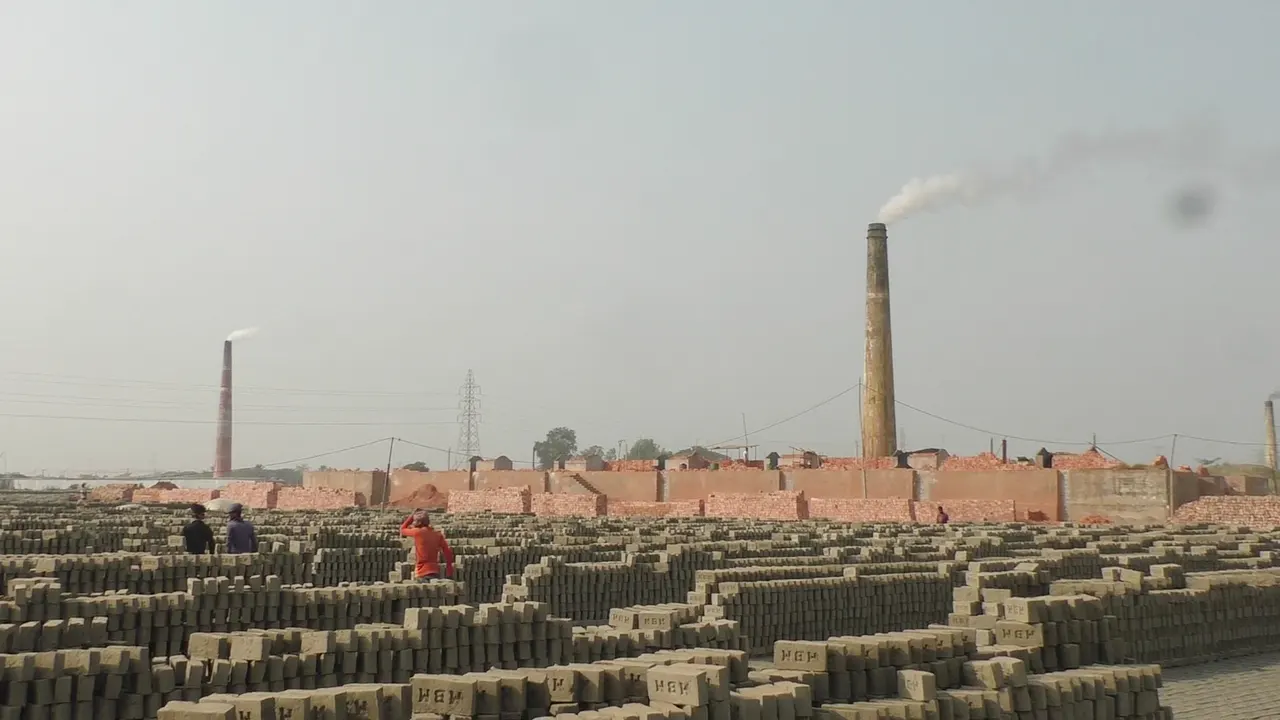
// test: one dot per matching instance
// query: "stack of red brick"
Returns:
(113, 493)
(178, 495)
(499, 500)
(981, 462)
(859, 463)
(261, 495)
(868, 510)
(967, 510)
(569, 505)
(1258, 512)
(640, 508)
(297, 498)
(1090, 459)
(780, 505)
(631, 465)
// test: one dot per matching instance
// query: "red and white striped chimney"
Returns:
(222, 451)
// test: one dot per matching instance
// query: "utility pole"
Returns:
(858, 444)
(469, 417)
(386, 481)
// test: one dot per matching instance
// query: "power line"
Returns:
(134, 384)
(190, 421)
(1134, 441)
(846, 391)
(1218, 442)
(144, 404)
(1030, 439)
(449, 451)
(788, 419)
(295, 461)
(424, 446)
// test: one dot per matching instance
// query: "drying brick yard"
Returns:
(104, 617)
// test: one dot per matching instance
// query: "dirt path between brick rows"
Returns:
(1246, 688)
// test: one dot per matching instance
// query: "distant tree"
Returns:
(594, 450)
(645, 449)
(419, 466)
(560, 442)
(611, 455)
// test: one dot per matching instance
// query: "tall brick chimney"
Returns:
(222, 451)
(1271, 434)
(879, 421)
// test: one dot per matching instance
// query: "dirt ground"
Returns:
(1245, 688)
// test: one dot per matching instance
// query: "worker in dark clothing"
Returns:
(198, 536)
(241, 537)
(943, 517)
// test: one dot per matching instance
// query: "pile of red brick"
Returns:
(569, 505)
(981, 462)
(514, 501)
(859, 463)
(297, 498)
(967, 511)
(780, 505)
(1258, 512)
(868, 510)
(631, 465)
(113, 493)
(1090, 459)
(161, 496)
(640, 508)
(253, 494)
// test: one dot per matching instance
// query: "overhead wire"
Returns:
(194, 421)
(157, 404)
(317, 456)
(83, 380)
(450, 451)
(789, 418)
(1248, 443)
(967, 426)
(984, 431)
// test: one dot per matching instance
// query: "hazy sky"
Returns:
(631, 218)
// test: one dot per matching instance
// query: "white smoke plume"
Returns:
(242, 334)
(1193, 147)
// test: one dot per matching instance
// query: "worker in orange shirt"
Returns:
(428, 545)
